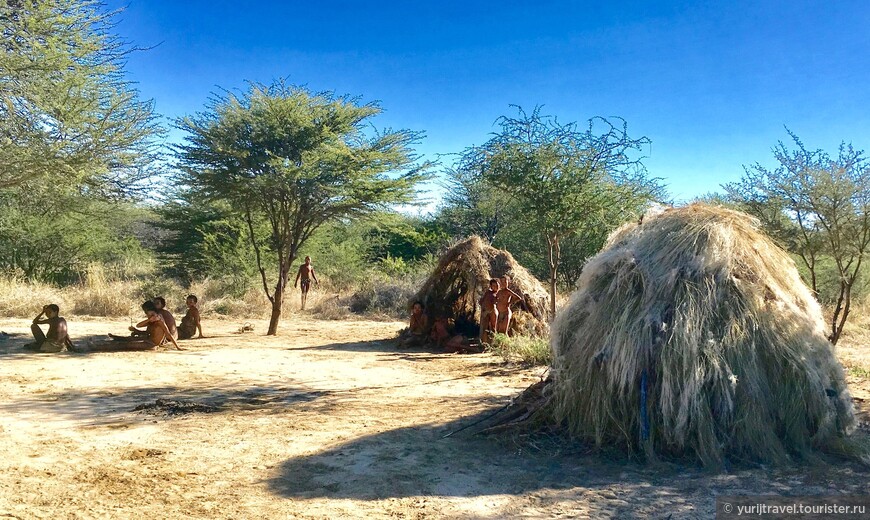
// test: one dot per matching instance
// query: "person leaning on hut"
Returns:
(191, 322)
(503, 301)
(56, 337)
(489, 312)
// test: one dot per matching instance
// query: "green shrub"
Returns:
(522, 349)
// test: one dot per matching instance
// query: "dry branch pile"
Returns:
(463, 273)
(692, 334)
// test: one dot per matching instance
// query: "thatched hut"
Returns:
(692, 334)
(462, 275)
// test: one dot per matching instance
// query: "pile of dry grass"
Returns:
(462, 275)
(692, 334)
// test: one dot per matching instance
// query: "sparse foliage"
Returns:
(67, 113)
(818, 206)
(294, 160)
(564, 179)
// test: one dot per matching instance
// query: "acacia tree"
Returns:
(563, 178)
(818, 207)
(471, 205)
(294, 160)
(67, 114)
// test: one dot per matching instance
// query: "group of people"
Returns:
(495, 308)
(158, 328)
(496, 315)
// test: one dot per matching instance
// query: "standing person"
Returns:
(504, 299)
(489, 312)
(191, 322)
(160, 303)
(56, 337)
(306, 273)
(156, 329)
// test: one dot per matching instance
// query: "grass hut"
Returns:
(462, 275)
(692, 334)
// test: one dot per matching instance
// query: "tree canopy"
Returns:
(564, 180)
(818, 207)
(67, 113)
(294, 159)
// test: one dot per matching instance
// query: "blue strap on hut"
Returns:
(644, 420)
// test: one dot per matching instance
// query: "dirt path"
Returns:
(327, 420)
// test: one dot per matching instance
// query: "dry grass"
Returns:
(523, 350)
(99, 295)
(462, 275)
(691, 334)
(23, 300)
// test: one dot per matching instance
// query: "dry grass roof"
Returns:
(462, 275)
(692, 334)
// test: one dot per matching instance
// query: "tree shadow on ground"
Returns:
(552, 474)
(378, 345)
(122, 404)
(13, 346)
(389, 347)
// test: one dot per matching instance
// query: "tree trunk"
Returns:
(841, 312)
(277, 300)
(553, 255)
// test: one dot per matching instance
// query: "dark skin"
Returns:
(418, 320)
(417, 328)
(306, 273)
(488, 300)
(503, 301)
(157, 329)
(57, 330)
(193, 314)
(155, 332)
(167, 317)
(489, 312)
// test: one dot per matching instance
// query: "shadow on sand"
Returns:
(389, 348)
(420, 461)
(114, 405)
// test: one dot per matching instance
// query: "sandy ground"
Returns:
(327, 420)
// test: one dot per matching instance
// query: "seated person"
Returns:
(448, 341)
(160, 303)
(415, 334)
(56, 338)
(157, 333)
(190, 323)
(440, 330)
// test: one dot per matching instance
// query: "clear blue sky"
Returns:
(712, 84)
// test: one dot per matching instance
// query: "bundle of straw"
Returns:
(692, 333)
(463, 272)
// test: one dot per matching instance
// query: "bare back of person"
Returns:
(57, 330)
(169, 319)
